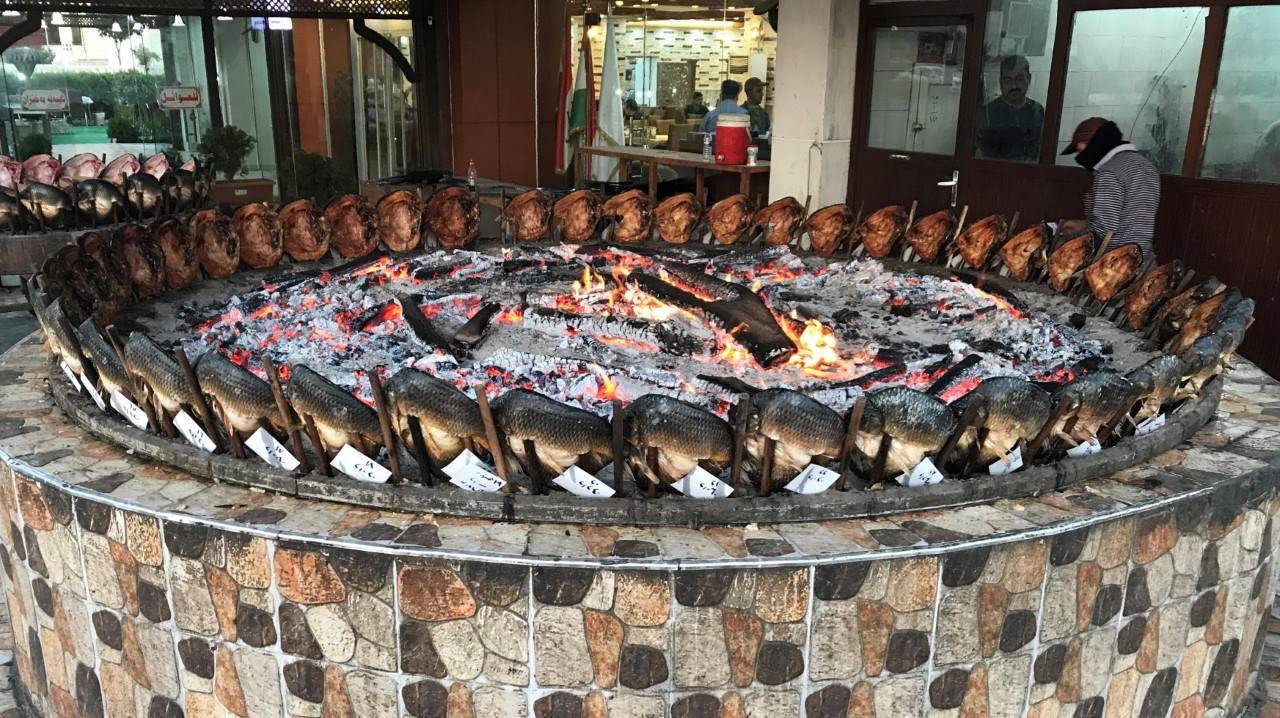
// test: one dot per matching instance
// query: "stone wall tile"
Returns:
(332, 632)
(836, 651)
(490, 702)
(604, 639)
(642, 598)
(434, 593)
(193, 607)
(781, 595)
(701, 654)
(912, 583)
(560, 647)
(305, 577)
(372, 695)
(459, 648)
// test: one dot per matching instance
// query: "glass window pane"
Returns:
(390, 116)
(1244, 125)
(915, 88)
(1015, 79)
(1137, 68)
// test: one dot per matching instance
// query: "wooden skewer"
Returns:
(739, 438)
(846, 446)
(359, 442)
(201, 401)
(882, 455)
(165, 422)
(426, 464)
(135, 385)
(967, 418)
(384, 421)
(619, 447)
(766, 466)
(287, 415)
(534, 467)
(491, 435)
(651, 461)
(322, 454)
(237, 446)
(1059, 410)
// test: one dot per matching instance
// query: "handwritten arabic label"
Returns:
(580, 483)
(360, 467)
(192, 432)
(1149, 425)
(271, 451)
(178, 98)
(813, 480)
(44, 100)
(700, 484)
(1089, 447)
(924, 474)
(128, 410)
(71, 377)
(470, 473)
(1008, 464)
(93, 392)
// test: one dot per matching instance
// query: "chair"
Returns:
(677, 133)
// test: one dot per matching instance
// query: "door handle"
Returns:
(954, 184)
(899, 157)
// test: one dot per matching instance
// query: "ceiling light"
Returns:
(115, 26)
(55, 18)
(177, 21)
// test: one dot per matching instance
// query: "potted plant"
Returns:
(225, 149)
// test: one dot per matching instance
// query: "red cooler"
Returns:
(733, 134)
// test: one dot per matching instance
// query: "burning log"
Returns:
(421, 326)
(829, 227)
(631, 214)
(473, 331)
(676, 217)
(730, 218)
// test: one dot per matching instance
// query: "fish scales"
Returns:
(145, 358)
(103, 355)
(445, 414)
(245, 399)
(334, 411)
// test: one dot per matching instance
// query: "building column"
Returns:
(813, 100)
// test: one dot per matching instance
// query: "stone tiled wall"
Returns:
(119, 613)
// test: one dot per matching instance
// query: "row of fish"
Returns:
(41, 193)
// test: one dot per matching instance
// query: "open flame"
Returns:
(816, 351)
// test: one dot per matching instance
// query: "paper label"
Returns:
(128, 410)
(580, 483)
(192, 432)
(1150, 425)
(813, 480)
(71, 377)
(271, 451)
(924, 474)
(360, 467)
(468, 472)
(1089, 447)
(700, 484)
(1009, 464)
(93, 392)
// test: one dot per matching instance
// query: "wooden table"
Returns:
(671, 158)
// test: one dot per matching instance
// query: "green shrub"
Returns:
(34, 144)
(123, 125)
(226, 149)
(315, 177)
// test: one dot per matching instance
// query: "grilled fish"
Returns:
(13, 214)
(682, 433)
(631, 214)
(676, 217)
(561, 434)
(1174, 313)
(61, 339)
(1205, 317)
(1203, 360)
(927, 234)
(917, 423)
(730, 218)
(161, 376)
(111, 372)
(144, 258)
(180, 262)
(527, 217)
(1066, 259)
(1112, 271)
(107, 273)
(241, 399)
(881, 230)
(1156, 382)
(977, 240)
(399, 220)
(353, 225)
(99, 201)
(337, 413)
(120, 169)
(1099, 397)
(575, 216)
(1018, 253)
(1150, 291)
(452, 215)
(1014, 410)
(801, 428)
(781, 221)
(48, 203)
(217, 243)
(83, 166)
(829, 227)
(144, 193)
(446, 415)
(305, 230)
(259, 230)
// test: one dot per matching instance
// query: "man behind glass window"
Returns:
(696, 106)
(755, 106)
(729, 90)
(1009, 126)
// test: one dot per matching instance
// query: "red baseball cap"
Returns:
(1084, 132)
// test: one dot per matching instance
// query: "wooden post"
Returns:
(766, 467)
(535, 467)
(491, 434)
(322, 455)
(699, 183)
(651, 461)
(384, 421)
(287, 415)
(201, 402)
(619, 447)
(846, 446)
(426, 464)
(739, 438)
(653, 181)
(1059, 410)
(882, 455)
(134, 385)
(975, 404)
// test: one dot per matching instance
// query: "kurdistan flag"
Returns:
(609, 127)
(576, 107)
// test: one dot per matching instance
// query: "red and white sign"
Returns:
(44, 100)
(178, 98)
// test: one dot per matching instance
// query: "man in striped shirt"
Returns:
(1126, 186)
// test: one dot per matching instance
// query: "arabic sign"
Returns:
(178, 98)
(44, 100)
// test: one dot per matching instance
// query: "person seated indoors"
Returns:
(696, 106)
(729, 91)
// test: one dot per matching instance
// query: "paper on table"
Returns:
(580, 483)
(359, 467)
(271, 451)
(468, 472)
(192, 432)
(813, 479)
(700, 484)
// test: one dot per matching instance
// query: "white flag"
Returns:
(609, 128)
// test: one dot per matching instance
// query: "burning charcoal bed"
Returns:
(752, 369)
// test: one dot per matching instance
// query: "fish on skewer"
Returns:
(562, 435)
(1204, 359)
(144, 193)
(120, 169)
(1174, 313)
(1022, 253)
(107, 273)
(978, 239)
(880, 231)
(48, 204)
(1143, 297)
(781, 221)
(928, 233)
(111, 373)
(575, 216)
(40, 168)
(336, 413)
(802, 430)
(676, 217)
(682, 435)
(261, 244)
(163, 381)
(630, 215)
(1156, 383)
(304, 230)
(179, 250)
(84, 166)
(453, 216)
(400, 220)
(448, 417)
(829, 227)
(1067, 259)
(917, 423)
(1206, 316)
(13, 214)
(144, 258)
(1013, 410)
(353, 225)
(730, 218)
(98, 201)
(241, 400)
(1098, 397)
(527, 216)
(1113, 271)
(217, 242)
(57, 328)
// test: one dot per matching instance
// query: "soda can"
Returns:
(752, 151)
